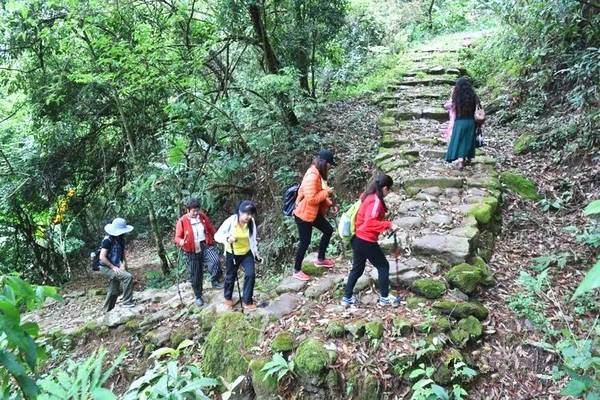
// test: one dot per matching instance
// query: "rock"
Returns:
(426, 197)
(76, 293)
(405, 279)
(335, 329)
(311, 360)
(154, 318)
(362, 283)
(159, 336)
(265, 387)
(520, 185)
(226, 348)
(451, 249)
(442, 324)
(401, 326)
(409, 222)
(368, 388)
(484, 211)
(283, 305)
(311, 269)
(466, 329)
(461, 309)
(434, 190)
(466, 277)
(356, 328)
(374, 329)
(323, 285)
(429, 288)
(180, 334)
(414, 263)
(468, 232)
(283, 342)
(523, 143)
(415, 302)
(441, 219)
(290, 284)
(439, 181)
(96, 292)
(457, 295)
(118, 316)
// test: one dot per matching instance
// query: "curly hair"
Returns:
(464, 98)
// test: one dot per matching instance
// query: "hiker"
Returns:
(449, 106)
(112, 263)
(238, 233)
(468, 111)
(194, 234)
(312, 205)
(370, 224)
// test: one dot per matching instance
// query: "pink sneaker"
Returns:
(301, 276)
(327, 263)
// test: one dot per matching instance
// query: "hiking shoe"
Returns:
(327, 263)
(199, 302)
(129, 304)
(349, 301)
(249, 307)
(390, 300)
(301, 276)
(217, 285)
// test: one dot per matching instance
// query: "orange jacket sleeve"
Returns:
(313, 191)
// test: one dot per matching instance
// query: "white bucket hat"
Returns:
(118, 227)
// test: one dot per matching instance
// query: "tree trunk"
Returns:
(271, 62)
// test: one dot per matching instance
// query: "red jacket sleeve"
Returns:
(178, 232)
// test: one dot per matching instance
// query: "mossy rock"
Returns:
(401, 326)
(387, 121)
(401, 363)
(227, 344)
(283, 342)
(482, 212)
(368, 388)
(87, 328)
(429, 288)
(312, 270)
(466, 329)
(461, 309)
(523, 143)
(333, 381)
(520, 185)
(488, 277)
(311, 359)
(356, 328)
(96, 292)
(442, 324)
(413, 302)
(180, 334)
(486, 243)
(335, 329)
(207, 318)
(133, 325)
(374, 329)
(265, 387)
(465, 277)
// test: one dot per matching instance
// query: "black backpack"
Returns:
(289, 200)
(95, 256)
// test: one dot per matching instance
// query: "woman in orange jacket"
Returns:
(312, 205)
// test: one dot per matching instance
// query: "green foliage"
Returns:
(581, 365)
(19, 353)
(171, 352)
(169, 380)
(80, 380)
(519, 185)
(278, 366)
(558, 260)
(425, 388)
(590, 281)
(593, 208)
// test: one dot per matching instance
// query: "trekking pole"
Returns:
(396, 259)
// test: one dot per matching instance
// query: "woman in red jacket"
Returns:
(194, 234)
(370, 224)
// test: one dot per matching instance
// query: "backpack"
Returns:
(95, 256)
(347, 224)
(289, 200)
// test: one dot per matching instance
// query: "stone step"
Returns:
(450, 250)
(425, 81)
(438, 114)
(439, 181)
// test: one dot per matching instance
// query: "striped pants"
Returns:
(212, 260)
(195, 263)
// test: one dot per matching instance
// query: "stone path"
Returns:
(437, 260)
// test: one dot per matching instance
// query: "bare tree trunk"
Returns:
(429, 12)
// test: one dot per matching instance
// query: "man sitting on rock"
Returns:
(112, 263)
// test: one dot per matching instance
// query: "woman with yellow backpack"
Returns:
(369, 224)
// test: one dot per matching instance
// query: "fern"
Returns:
(278, 366)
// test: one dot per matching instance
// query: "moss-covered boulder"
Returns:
(356, 328)
(442, 324)
(466, 329)
(335, 329)
(429, 288)
(283, 342)
(520, 185)
(180, 334)
(523, 143)
(226, 346)
(368, 388)
(461, 309)
(415, 302)
(401, 326)
(311, 269)
(488, 277)
(311, 361)
(265, 387)
(465, 277)
(374, 329)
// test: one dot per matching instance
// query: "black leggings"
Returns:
(361, 252)
(305, 232)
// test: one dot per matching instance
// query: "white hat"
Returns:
(118, 227)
